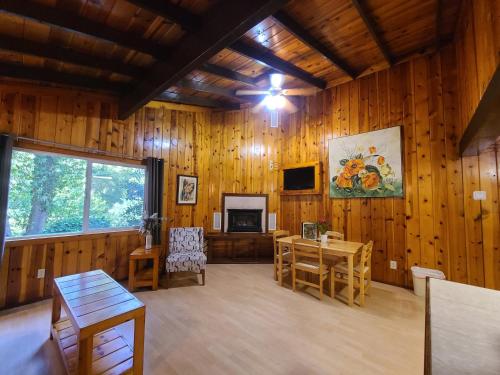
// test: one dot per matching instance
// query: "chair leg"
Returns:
(332, 283)
(275, 267)
(202, 277)
(362, 291)
(321, 282)
(369, 284)
(293, 278)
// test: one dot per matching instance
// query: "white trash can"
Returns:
(419, 275)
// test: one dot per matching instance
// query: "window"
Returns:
(55, 194)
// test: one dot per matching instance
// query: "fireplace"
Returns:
(244, 220)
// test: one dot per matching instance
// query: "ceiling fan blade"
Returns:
(252, 92)
(289, 106)
(300, 92)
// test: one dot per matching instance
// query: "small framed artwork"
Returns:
(309, 231)
(187, 189)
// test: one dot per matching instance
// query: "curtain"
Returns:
(6, 144)
(154, 193)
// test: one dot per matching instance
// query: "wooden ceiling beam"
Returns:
(370, 25)
(223, 24)
(174, 97)
(52, 76)
(305, 37)
(266, 57)
(203, 87)
(28, 47)
(226, 73)
(76, 23)
(165, 9)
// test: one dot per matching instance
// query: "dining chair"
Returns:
(332, 235)
(362, 273)
(286, 256)
(307, 256)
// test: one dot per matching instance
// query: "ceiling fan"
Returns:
(275, 96)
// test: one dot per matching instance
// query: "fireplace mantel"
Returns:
(244, 201)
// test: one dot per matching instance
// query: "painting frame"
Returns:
(367, 165)
(185, 197)
(309, 230)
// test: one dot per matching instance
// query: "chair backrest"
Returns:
(302, 248)
(277, 234)
(366, 255)
(335, 235)
(185, 240)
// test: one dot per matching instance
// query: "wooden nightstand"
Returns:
(147, 276)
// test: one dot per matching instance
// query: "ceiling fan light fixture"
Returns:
(274, 102)
(276, 80)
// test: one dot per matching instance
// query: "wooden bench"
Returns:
(94, 304)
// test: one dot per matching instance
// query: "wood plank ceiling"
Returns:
(190, 51)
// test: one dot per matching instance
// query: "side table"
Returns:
(147, 276)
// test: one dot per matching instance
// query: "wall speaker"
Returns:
(217, 221)
(272, 221)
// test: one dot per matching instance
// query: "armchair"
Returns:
(186, 251)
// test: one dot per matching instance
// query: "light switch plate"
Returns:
(479, 195)
(393, 265)
(41, 273)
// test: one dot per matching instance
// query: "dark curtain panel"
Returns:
(6, 144)
(154, 194)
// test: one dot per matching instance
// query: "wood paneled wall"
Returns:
(60, 256)
(436, 225)
(230, 152)
(478, 57)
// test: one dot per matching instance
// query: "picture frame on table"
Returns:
(309, 231)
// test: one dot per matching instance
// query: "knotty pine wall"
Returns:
(478, 57)
(230, 152)
(437, 224)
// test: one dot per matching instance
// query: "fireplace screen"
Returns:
(243, 220)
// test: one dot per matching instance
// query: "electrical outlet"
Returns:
(41, 273)
(479, 195)
(271, 165)
(394, 265)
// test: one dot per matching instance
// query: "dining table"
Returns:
(339, 248)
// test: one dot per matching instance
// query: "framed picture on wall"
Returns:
(187, 189)
(366, 165)
(309, 231)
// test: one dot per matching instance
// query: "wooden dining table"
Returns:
(337, 248)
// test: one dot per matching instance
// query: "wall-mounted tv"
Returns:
(298, 179)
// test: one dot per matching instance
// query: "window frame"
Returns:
(87, 197)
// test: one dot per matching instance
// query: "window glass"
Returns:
(117, 196)
(48, 195)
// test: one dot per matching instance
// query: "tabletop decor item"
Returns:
(366, 165)
(149, 223)
(309, 231)
(322, 229)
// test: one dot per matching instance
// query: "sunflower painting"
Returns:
(366, 165)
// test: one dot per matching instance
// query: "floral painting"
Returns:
(366, 165)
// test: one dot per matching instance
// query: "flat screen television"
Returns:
(298, 178)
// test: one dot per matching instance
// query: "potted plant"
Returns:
(149, 223)
(322, 228)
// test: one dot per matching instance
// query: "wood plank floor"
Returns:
(241, 322)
